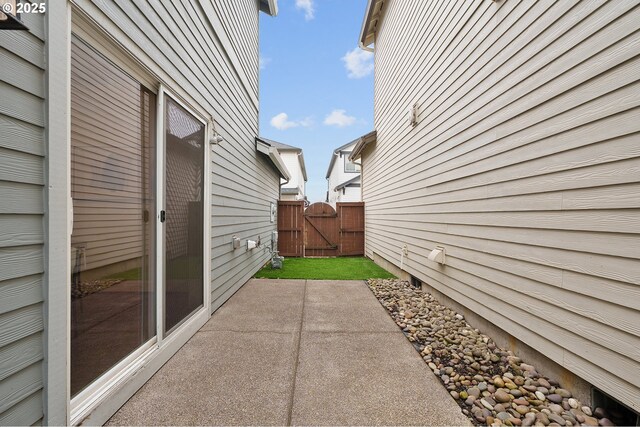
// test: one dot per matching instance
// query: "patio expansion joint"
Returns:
(249, 332)
(360, 332)
(296, 357)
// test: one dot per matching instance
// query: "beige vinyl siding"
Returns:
(22, 149)
(208, 54)
(525, 166)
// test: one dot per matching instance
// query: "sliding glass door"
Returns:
(113, 126)
(138, 202)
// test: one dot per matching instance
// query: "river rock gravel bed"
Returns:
(491, 384)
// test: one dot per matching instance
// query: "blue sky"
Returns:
(313, 93)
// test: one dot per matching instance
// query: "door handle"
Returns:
(163, 216)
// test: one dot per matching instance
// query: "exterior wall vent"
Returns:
(620, 414)
(416, 283)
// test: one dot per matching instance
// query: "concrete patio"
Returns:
(295, 352)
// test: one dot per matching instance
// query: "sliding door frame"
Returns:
(161, 204)
(107, 393)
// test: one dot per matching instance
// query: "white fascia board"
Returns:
(302, 166)
(334, 156)
(275, 158)
(279, 163)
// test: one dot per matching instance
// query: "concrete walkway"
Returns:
(295, 352)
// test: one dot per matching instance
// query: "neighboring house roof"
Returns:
(284, 147)
(371, 22)
(347, 183)
(273, 155)
(365, 140)
(279, 145)
(269, 7)
(336, 153)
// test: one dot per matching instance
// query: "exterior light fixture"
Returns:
(9, 16)
(214, 137)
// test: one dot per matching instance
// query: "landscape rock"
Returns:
(491, 384)
(502, 396)
(555, 398)
(573, 403)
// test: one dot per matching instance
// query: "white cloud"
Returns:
(359, 63)
(306, 122)
(264, 61)
(281, 121)
(308, 7)
(339, 118)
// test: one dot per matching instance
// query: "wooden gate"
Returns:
(291, 228)
(320, 231)
(351, 222)
(321, 234)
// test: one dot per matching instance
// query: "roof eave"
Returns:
(270, 7)
(346, 183)
(362, 143)
(274, 156)
(371, 16)
(337, 152)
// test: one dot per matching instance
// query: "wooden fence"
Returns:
(320, 231)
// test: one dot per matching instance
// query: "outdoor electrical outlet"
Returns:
(235, 242)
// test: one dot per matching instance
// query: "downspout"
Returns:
(327, 198)
(361, 179)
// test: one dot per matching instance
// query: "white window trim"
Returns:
(57, 217)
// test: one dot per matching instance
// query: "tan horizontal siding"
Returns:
(525, 166)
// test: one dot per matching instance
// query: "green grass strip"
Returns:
(346, 268)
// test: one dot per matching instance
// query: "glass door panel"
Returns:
(112, 185)
(184, 186)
